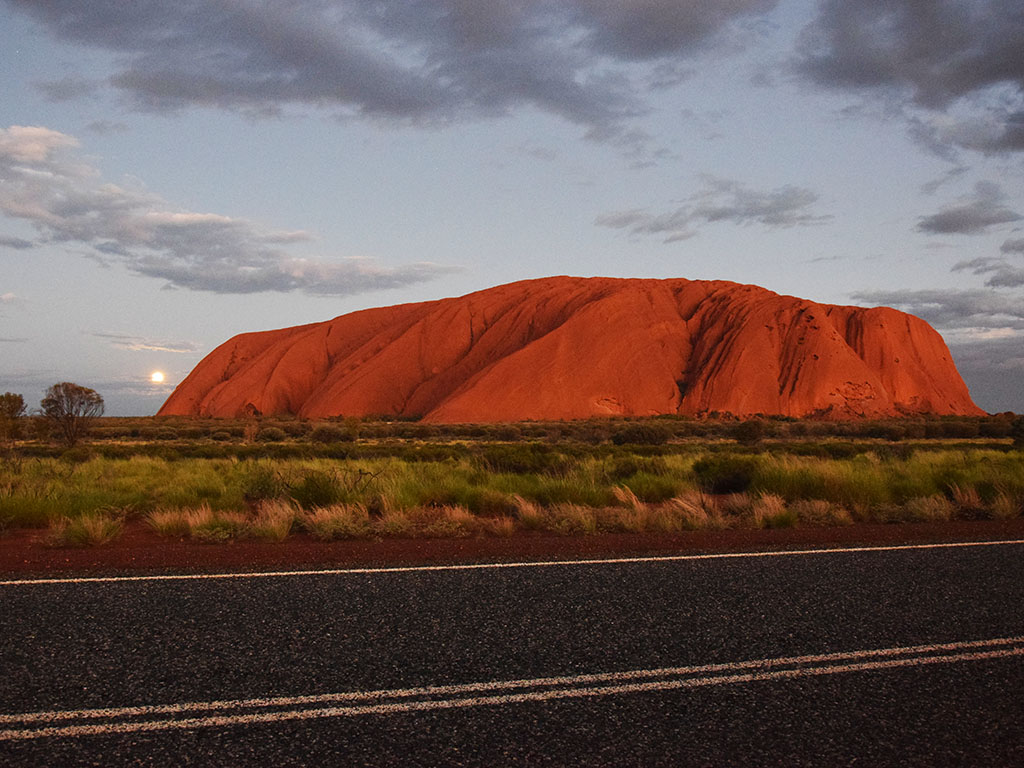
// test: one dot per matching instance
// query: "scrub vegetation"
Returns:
(363, 479)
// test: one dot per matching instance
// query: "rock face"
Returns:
(570, 348)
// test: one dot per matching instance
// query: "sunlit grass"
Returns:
(88, 530)
(223, 499)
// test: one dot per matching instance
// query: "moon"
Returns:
(157, 377)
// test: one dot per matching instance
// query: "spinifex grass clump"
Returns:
(214, 526)
(169, 522)
(274, 520)
(88, 530)
(338, 521)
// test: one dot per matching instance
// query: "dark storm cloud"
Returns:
(720, 200)
(939, 50)
(973, 215)
(67, 201)
(415, 59)
(937, 54)
(992, 369)
(950, 308)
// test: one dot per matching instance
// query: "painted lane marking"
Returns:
(37, 725)
(492, 566)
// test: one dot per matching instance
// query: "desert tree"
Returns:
(70, 408)
(1017, 432)
(12, 409)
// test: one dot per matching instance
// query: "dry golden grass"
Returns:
(169, 522)
(625, 496)
(503, 525)
(449, 521)
(531, 515)
(820, 512)
(770, 511)
(696, 510)
(924, 509)
(572, 519)
(337, 521)
(88, 530)
(393, 522)
(967, 501)
(274, 520)
(1006, 506)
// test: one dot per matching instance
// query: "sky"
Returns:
(173, 174)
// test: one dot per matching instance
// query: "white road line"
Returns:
(449, 697)
(447, 690)
(492, 566)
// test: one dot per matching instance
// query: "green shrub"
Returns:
(77, 455)
(654, 488)
(642, 434)
(749, 432)
(507, 433)
(521, 459)
(260, 481)
(316, 488)
(329, 433)
(271, 435)
(1016, 431)
(726, 473)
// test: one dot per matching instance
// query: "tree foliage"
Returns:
(12, 409)
(70, 408)
(1017, 432)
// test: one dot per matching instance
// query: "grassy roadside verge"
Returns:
(503, 490)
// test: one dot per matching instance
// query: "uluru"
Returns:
(570, 348)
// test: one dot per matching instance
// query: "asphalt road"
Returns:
(910, 656)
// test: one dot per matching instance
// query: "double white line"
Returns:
(206, 714)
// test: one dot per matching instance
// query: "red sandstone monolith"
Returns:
(571, 348)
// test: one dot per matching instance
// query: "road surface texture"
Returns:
(869, 656)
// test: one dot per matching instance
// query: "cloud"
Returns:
(952, 308)
(720, 200)
(994, 130)
(16, 243)
(939, 51)
(12, 340)
(588, 61)
(1013, 246)
(140, 344)
(1001, 273)
(106, 127)
(67, 201)
(941, 57)
(973, 215)
(67, 88)
(992, 368)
